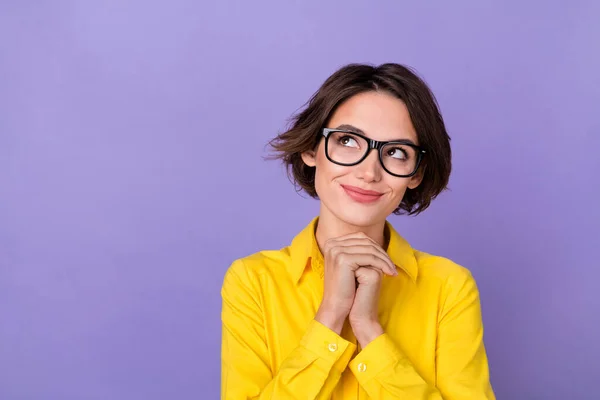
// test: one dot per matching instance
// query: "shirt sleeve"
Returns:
(312, 370)
(385, 372)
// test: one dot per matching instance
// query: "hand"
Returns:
(344, 256)
(363, 314)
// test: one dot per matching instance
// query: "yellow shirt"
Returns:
(272, 348)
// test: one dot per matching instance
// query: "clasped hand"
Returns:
(354, 267)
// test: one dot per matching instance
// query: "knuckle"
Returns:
(373, 274)
(334, 251)
(369, 242)
(341, 258)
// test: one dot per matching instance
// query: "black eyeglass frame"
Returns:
(377, 145)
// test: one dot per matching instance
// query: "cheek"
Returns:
(326, 170)
(399, 187)
(326, 174)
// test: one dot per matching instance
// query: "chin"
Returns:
(360, 216)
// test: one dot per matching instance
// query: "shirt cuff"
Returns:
(379, 355)
(332, 350)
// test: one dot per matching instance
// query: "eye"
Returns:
(348, 141)
(397, 153)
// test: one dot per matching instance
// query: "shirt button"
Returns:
(362, 367)
(332, 347)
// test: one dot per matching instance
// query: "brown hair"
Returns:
(402, 82)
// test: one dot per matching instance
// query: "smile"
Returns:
(361, 195)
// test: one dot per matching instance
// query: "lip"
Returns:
(361, 195)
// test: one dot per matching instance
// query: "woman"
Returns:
(349, 310)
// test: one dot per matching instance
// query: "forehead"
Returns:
(380, 115)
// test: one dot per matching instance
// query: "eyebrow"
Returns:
(352, 128)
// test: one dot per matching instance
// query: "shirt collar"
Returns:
(304, 252)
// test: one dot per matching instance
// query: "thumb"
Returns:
(367, 275)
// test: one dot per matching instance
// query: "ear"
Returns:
(309, 158)
(416, 179)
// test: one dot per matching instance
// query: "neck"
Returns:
(329, 227)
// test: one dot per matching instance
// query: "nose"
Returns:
(370, 169)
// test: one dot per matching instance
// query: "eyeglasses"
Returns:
(399, 158)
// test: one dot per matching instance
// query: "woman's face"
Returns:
(379, 116)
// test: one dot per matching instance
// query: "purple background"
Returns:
(131, 175)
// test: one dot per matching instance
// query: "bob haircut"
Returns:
(304, 132)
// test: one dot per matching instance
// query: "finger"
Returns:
(367, 270)
(355, 235)
(365, 246)
(359, 242)
(360, 238)
(357, 260)
(367, 249)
